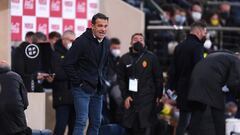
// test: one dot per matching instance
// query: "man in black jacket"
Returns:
(62, 96)
(186, 55)
(140, 80)
(13, 102)
(207, 80)
(85, 64)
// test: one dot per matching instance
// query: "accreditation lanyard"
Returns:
(133, 81)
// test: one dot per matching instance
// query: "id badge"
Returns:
(133, 85)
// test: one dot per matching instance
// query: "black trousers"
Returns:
(137, 130)
(197, 121)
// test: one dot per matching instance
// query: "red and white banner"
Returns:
(93, 8)
(55, 24)
(29, 7)
(51, 15)
(42, 25)
(28, 24)
(55, 8)
(89, 23)
(80, 26)
(68, 24)
(16, 28)
(16, 7)
(42, 8)
(69, 9)
(81, 8)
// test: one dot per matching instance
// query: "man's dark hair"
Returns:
(54, 34)
(98, 16)
(135, 34)
(115, 41)
(196, 3)
(198, 24)
(171, 8)
(39, 36)
(29, 34)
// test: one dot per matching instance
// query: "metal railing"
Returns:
(220, 30)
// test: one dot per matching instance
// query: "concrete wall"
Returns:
(124, 20)
(5, 30)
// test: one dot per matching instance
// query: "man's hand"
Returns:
(42, 76)
(127, 103)
(50, 78)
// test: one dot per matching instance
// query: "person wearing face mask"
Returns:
(186, 55)
(195, 13)
(112, 99)
(141, 83)
(224, 12)
(62, 97)
(180, 16)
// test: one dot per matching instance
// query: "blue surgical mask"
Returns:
(180, 19)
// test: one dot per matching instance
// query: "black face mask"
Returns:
(138, 46)
(224, 15)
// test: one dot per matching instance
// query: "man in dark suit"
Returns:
(186, 55)
(205, 91)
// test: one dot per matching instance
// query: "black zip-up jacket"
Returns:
(86, 62)
(143, 66)
(13, 102)
(61, 85)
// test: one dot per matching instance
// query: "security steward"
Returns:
(140, 80)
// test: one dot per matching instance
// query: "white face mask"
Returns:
(69, 45)
(207, 44)
(116, 52)
(196, 16)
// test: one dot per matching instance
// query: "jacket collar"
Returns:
(89, 34)
(194, 37)
(4, 69)
(59, 47)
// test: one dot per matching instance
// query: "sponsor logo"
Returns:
(80, 28)
(15, 27)
(42, 2)
(81, 7)
(29, 4)
(93, 5)
(28, 25)
(15, 1)
(68, 3)
(55, 27)
(144, 64)
(68, 27)
(32, 51)
(55, 6)
(42, 28)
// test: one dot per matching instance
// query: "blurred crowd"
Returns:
(38, 60)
